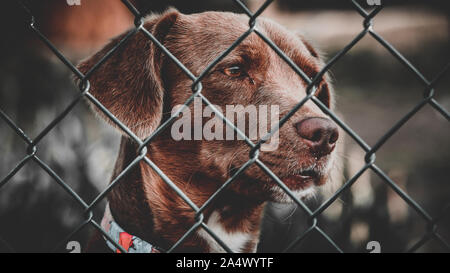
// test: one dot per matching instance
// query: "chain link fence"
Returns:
(370, 151)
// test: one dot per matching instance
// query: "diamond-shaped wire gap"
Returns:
(150, 163)
(115, 181)
(188, 201)
(226, 184)
(35, 201)
(389, 47)
(403, 120)
(107, 55)
(311, 84)
(143, 152)
(296, 200)
(332, 212)
(227, 121)
(313, 239)
(400, 58)
(411, 202)
(211, 199)
(390, 218)
(85, 235)
(79, 149)
(84, 79)
(171, 119)
(398, 125)
(139, 27)
(372, 88)
(410, 152)
(35, 93)
(71, 67)
(347, 185)
(280, 183)
(85, 86)
(37, 81)
(172, 185)
(54, 122)
(59, 181)
(281, 222)
(398, 215)
(197, 88)
(345, 220)
(432, 56)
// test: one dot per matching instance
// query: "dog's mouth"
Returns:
(303, 179)
(298, 179)
(308, 174)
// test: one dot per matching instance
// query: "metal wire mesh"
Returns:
(370, 151)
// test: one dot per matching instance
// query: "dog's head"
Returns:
(141, 86)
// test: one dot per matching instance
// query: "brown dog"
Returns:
(140, 86)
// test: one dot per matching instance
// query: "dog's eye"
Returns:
(234, 71)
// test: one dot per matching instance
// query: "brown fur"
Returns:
(140, 86)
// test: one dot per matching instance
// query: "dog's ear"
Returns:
(325, 92)
(129, 82)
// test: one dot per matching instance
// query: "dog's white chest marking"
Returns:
(234, 240)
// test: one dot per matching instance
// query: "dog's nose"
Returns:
(319, 134)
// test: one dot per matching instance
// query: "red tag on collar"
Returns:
(125, 241)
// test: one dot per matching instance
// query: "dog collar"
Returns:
(132, 244)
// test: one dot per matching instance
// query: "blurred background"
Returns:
(373, 90)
